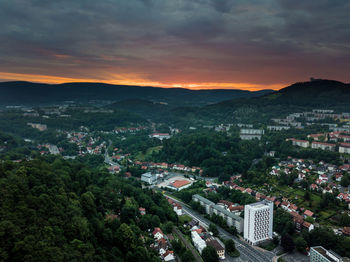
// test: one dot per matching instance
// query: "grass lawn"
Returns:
(142, 157)
(184, 219)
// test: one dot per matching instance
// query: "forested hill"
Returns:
(317, 92)
(36, 93)
(313, 93)
(55, 210)
(294, 98)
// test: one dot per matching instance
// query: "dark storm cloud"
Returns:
(261, 41)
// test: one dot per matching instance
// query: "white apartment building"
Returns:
(344, 148)
(323, 146)
(258, 218)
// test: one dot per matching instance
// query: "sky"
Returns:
(196, 44)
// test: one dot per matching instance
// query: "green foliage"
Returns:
(345, 181)
(230, 246)
(56, 211)
(300, 244)
(287, 243)
(209, 254)
(205, 149)
(187, 256)
(282, 222)
(212, 228)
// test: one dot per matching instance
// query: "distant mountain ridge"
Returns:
(20, 92)
(312, 93)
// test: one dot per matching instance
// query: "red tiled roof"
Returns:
(325, 144)
(180, 183)
(308, 213)
(306, 224)
(156, 230)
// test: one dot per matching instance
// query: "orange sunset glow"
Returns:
(137, 82)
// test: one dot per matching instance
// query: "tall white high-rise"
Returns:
(258, 219)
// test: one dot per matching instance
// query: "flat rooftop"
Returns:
(326, 253)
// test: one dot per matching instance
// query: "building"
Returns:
(230, 218)
(277, 128)
(344, 148)
(178, 209)
(160, 136)
(207, 204)
(40, 127)
(249, 134)
(210, 208)
(198, 242)
(157, 233)
(149, 178)
(297, 142)
(220, 250)
(179, 185)
(320, 254)
(258, 219)
(323, 146)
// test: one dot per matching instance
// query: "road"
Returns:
(108, 160)
(248, 252)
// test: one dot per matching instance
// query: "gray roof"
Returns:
(147, 175)
(227, 213)
(203, 199)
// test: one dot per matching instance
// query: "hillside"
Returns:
(313, 93)
(14, 93)
(296, 97)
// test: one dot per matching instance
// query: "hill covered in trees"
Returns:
(55, 210)
(294, 98)
(14, 93)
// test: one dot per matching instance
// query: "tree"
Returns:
(300, 244)
(187, 256)
(287, 243)
(230, 246)
(213, 229)
(307, 196)
(168, 227)
(126, 237)
(209, 254)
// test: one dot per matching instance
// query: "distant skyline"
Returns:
(197, 44)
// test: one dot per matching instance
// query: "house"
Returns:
(142, 211)
(169, 256)
(327, 189)
(313, 187)
(293, 207)
(162, 246)
(285, 205)
(308, 226)
(298, 220)
(178, 209)
(220, 250)
(338, 177)
(157, 233)
(308, 213)
(346, 231)
(343, 196)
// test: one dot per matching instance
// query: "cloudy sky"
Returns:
(190, 43)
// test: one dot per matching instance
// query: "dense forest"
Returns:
(56, 210)
(218, 154)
